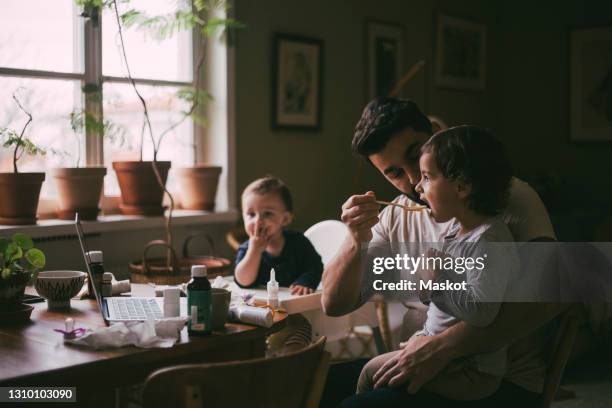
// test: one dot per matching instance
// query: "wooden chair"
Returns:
(293, 380)
(236, 236)
(559, 351)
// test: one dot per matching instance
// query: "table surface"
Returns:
(32, 352)
(290, 303)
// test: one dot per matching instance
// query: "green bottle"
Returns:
(199, 302)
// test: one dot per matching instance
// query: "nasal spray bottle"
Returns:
(273, 290)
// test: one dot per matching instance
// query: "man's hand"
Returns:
(360, 214)
(420, 360)
(300, 290)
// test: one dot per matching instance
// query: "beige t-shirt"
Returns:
(527, 219)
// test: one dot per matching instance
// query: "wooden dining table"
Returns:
(33, 354)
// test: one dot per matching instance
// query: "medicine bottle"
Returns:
(97, 271)
(106, 289)
(199, 302)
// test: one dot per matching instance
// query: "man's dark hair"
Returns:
(475, 156)
(271, 185)
(381, 119)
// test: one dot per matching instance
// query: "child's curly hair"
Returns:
(475, 156)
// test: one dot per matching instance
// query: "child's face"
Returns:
(445, 197)
(265, 212)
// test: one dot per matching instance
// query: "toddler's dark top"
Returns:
(298, 263)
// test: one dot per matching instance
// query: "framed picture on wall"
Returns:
(591, 84)
(297, 79)
(460, 53)
(384, 54)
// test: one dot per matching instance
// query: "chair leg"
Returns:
(378, 340)
(382, 313)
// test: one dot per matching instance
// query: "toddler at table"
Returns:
(267, 209)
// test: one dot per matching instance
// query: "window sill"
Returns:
(110, 223)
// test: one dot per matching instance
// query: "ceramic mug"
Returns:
(220, 307)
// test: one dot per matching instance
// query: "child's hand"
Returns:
(300, 290)
(260, 239)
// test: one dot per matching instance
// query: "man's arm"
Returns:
(342, 280)
(342, 276)
(423, 357)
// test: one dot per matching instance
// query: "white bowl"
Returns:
(58, 287)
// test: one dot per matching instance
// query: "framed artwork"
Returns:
(297, 78)
(591, 84)
(385, 56)
(460, 53)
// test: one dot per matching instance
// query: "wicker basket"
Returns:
(156, 270)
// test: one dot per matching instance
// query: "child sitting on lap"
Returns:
(465, 177)
(267, 209)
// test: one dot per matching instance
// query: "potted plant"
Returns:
(80, 188)
(198, 183)
(199, 186)
(20, 262)
(142, 183)
(19, 192)
(137, 178)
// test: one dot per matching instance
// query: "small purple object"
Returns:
(72, 334)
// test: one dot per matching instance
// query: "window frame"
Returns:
(90, 41)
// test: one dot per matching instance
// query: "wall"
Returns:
(534, 110)
(318, 166)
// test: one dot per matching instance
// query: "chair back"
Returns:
(326, 237)
(292, 380)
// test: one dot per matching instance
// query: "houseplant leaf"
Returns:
(23, 241)
(13, 252)
(36, 258)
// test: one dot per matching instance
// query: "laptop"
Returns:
(117, 308)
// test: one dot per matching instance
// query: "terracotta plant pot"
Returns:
(19, 194)
(141, 194)
(79, 191)
(199, 187)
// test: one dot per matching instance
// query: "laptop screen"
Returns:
(95, 283)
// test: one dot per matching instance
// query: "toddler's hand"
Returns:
(300, 290)
(259, 240)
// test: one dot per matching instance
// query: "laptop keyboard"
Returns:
(133, 309)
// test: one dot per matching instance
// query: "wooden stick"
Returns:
(407, 77)
(404, 207)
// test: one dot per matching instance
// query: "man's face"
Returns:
(399, 160)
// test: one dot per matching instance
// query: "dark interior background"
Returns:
(525, 101)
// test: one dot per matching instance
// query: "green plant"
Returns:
(19, 256)
(83, 122)
(190, 14)
(17, 141)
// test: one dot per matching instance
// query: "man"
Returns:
(389, 135)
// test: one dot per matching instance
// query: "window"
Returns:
(49, 53)
(45, 72)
